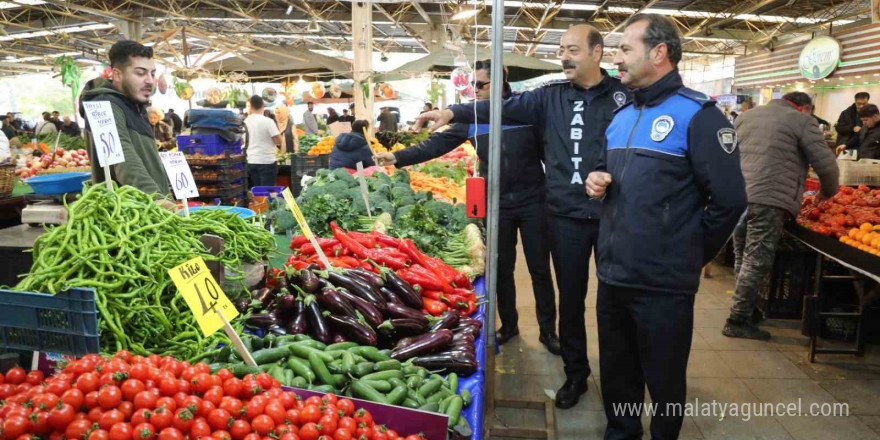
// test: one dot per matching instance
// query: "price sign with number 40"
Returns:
(202, 294)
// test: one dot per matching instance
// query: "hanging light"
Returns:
(289, 10)
(464, 14)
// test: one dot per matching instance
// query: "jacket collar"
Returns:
(659, 91)
(598, 89)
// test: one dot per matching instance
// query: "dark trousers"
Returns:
(644, 338)
(531, 221)
(262, 175)
(572, 241)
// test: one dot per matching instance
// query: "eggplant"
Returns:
(368, 311)
(402, 327)
(278, 330)
(453, 362)
(390, 296)
(353, 329)
(242, 305)
(292, 276)
(286, 306)
(403, 290)
(449, 321)
(316, 321)
(422, 345)
(459, 337)
(404, 312)
(264, 296)
(359, 288)
(467, 329)
(374, 280)
(331, 300)
(261, 320)
(339, 337)
(299, 324)
(308, 281)
(467, 320)
(463, 346)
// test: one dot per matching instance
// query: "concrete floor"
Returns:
(722, 369)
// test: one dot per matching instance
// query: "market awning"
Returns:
(263, 65)
(519, 67)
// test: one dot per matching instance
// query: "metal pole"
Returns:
(496, 78)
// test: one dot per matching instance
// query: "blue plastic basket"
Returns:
(266, 191)
(59, 183)
(63, 323)
(207, 144)
(242, 212)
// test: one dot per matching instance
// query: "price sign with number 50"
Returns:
(102, 125)
(202, 294)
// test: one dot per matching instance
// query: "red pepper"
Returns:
(427, 283)
(408, 247)
(385, 239)
(435, 308)
(326, 244)
(348, 242)
(367, 266)
(435, 295)
(471, 307)
(298, 240)
(312, 258)
(365, 239)
(272, 277)
(439, 267)
(384, 259)
(298, 265)
(461, 280)
(466, 293)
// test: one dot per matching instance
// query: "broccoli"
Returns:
(377, 199)
(403, 211)
(381, 178)
(459, 218)
(383, 207)
(358, 205)
(400, 176)
(405, 201)
(399, 192)
(441, 211)
(384, 190)
(354, 194)
(323, 173)
(425, 196)
(336, 189)
(343, 176)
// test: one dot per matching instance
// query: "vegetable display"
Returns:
(307, 142)
(849, 208)
(443, 188)
(122, 244)
(147, 398)
(368, 373)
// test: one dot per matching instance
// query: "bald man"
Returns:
(573, 115)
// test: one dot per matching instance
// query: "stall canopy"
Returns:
(300, 61)
(519, 67)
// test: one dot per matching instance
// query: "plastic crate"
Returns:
(212, 174)
(790, 280)
(222, 191)
(63, 323)
(305, 165)
(207, 144)
(215, 161)
(864, 171)
(267, 191)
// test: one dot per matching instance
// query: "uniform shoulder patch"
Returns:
(727, 139)
(619, 98)
(696, 96)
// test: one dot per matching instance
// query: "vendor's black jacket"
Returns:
(867, 142)
(572, 121)
(349, 149)
(677, 190)
(848, 120)
(522, 176)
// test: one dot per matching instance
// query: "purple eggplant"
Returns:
(368, 311)
(463, 346)
(403, 290)
(467, 320)
(331, 300)
(459, 337)
(374, 280)
(449, 321)
(359, 288)
(422, 345)
(403, 312)
(467, 329)
(402, 327)
(286, 306)
(242, 305)
(390, 296)
(261, 320)
(308, 281)
(353, 329)
(264, 296)
(453, 362)
(299, 324)
(339, 337)
(316, 320)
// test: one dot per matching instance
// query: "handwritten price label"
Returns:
(202, 294)
(303, 226)
(179, 174)
(103, 127)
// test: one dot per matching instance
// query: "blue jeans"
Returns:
(262, 175)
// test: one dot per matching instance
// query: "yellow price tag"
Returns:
(297, 214)
(202, 294)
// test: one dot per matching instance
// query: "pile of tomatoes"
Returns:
(160, 398)
(849, 208)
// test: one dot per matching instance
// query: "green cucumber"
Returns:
(454, 411)
(412, 394)
(301, 368)
(383, 375)
(320, 369)
(302, 351)
(362, 369)
(409, 403)
(390, 364)
(341, 346)
(430, 407)
(365, 391)
(369, 353)
(299, 382)
(430, 387)
(452, 380)
(466, 397)
(397, 395)
(242, 370)
(382, 386)
(414, 382)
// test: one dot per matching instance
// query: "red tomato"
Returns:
(201, 383)
(275, 410)
(121, 431)
(288, 399)
(330, 398)
(281, 430)
(77, 429)
(87, 383)
(144, 431)
(168, 403)
(23, 388)
(218, 419)
(415, 437)
(145, 399)
(251, 388)
(202, 368)
(126, 408)
(6, 390)
(263, 424)
(55, 386)
(61, 416)
(239, 429)
(40, 422)
(183, 420)
(314, 400)
(233, 405)
(95, 414)
(206, 408)
(99, 434)
(200, 428)
(221, 435)
(214, 395)
(109, 397)
(45, 401)
(161, 418)
(110, 418)
(168, 386)
(15, 376)
(233, 387)
(140, 372)
(224, 374)
(56, 435)
(363, 416)
(289, 436)
(106, 379)
(363, 431)
(392, 434)
(330, 410)
(183, 386)
(170, 434)
(34, 377)
(253, 436)
(346, 406)
(309, 431)
(310, 414)
(342, 434)
(140, 416)
(292, 417)
(73, 397)
(328, 425)
(254, 408)
(124, 355)
(348, 423)
(131, 387)
(273, 393)
(90, 400)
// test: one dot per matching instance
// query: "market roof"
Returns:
(35, 32)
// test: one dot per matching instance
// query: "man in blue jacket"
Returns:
(673, 192)
(573, 115)
(351, 148)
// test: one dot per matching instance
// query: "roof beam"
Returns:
(409, 31)
(422, 12)
(642, 9)
(230, 10)
(92, 11)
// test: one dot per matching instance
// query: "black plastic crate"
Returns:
(63, 323)
(790, 280)
(305, 165)
(223, 191)
(227, 174)
(215, 161)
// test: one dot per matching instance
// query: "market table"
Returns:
(864, 271)
(13, 242)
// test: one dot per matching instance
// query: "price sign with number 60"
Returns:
(179, 174)
(202, 294)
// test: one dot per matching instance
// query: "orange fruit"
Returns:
(865, 227)
(853, 232)
(867, 238)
